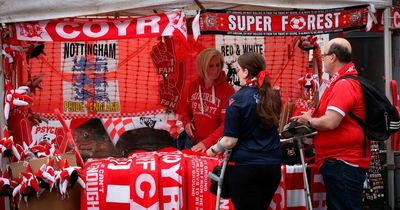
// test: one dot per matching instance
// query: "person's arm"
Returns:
(213, 137)
(342, 98)
(210, 140)
(329, 121)
(225, 143)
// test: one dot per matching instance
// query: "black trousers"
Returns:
(252, 186)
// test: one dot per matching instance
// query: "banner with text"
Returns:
(164, 24)
(282, 23)
(171, 179)
(100, 79)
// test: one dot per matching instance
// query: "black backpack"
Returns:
(382, 118)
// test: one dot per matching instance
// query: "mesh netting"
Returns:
(117, 78)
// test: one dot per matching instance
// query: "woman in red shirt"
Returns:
(206, 103)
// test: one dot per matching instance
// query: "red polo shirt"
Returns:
(346, 142)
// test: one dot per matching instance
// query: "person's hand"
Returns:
(212, 151)
(303, 119)
(189, 128)
(199, 147)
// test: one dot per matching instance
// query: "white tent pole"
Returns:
(387, 34)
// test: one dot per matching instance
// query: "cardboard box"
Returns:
(49, 200)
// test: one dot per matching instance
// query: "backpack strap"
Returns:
(359, 121)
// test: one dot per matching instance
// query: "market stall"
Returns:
(101, 62)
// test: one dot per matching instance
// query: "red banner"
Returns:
(171, 179)
(281, 23)
(165, 24)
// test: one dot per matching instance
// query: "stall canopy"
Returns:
(27, 10)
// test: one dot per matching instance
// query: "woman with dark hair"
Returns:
(251, 131)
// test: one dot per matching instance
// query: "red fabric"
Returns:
(317, 189)
(396, 17)
(395, 98)
(198, 183)
(294, 188)
(199, 196)
(208, 126)
(163, 24)
(115, 183)
(98, 175)
(166, 179)
(172, 180)
(346, 142)
(20, 125)
(144, 181)
(262, 75)
(288, 23)
(75, 123)
(2, 202)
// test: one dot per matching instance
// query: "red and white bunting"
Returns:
(165, 24)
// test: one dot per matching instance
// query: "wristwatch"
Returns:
(309, 122)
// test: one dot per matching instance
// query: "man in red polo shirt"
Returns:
(341, 155)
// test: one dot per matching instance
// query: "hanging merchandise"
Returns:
(173, 74)
(15, 97)
(374, 192)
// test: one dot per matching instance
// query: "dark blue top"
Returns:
(256, 145)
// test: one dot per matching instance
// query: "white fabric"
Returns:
(28, 10)
(118, 193)
(195, 26)
(334, 108)
(201, 101)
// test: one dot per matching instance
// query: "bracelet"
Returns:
(220, 147)
(309, 122)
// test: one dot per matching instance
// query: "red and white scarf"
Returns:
(349, 69)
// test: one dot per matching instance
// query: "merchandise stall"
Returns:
(101, 73)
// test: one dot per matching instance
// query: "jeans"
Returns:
(343, 184)
(183, 141)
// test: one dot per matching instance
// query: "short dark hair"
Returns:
(342, 53)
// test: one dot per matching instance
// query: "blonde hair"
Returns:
(204, 58)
